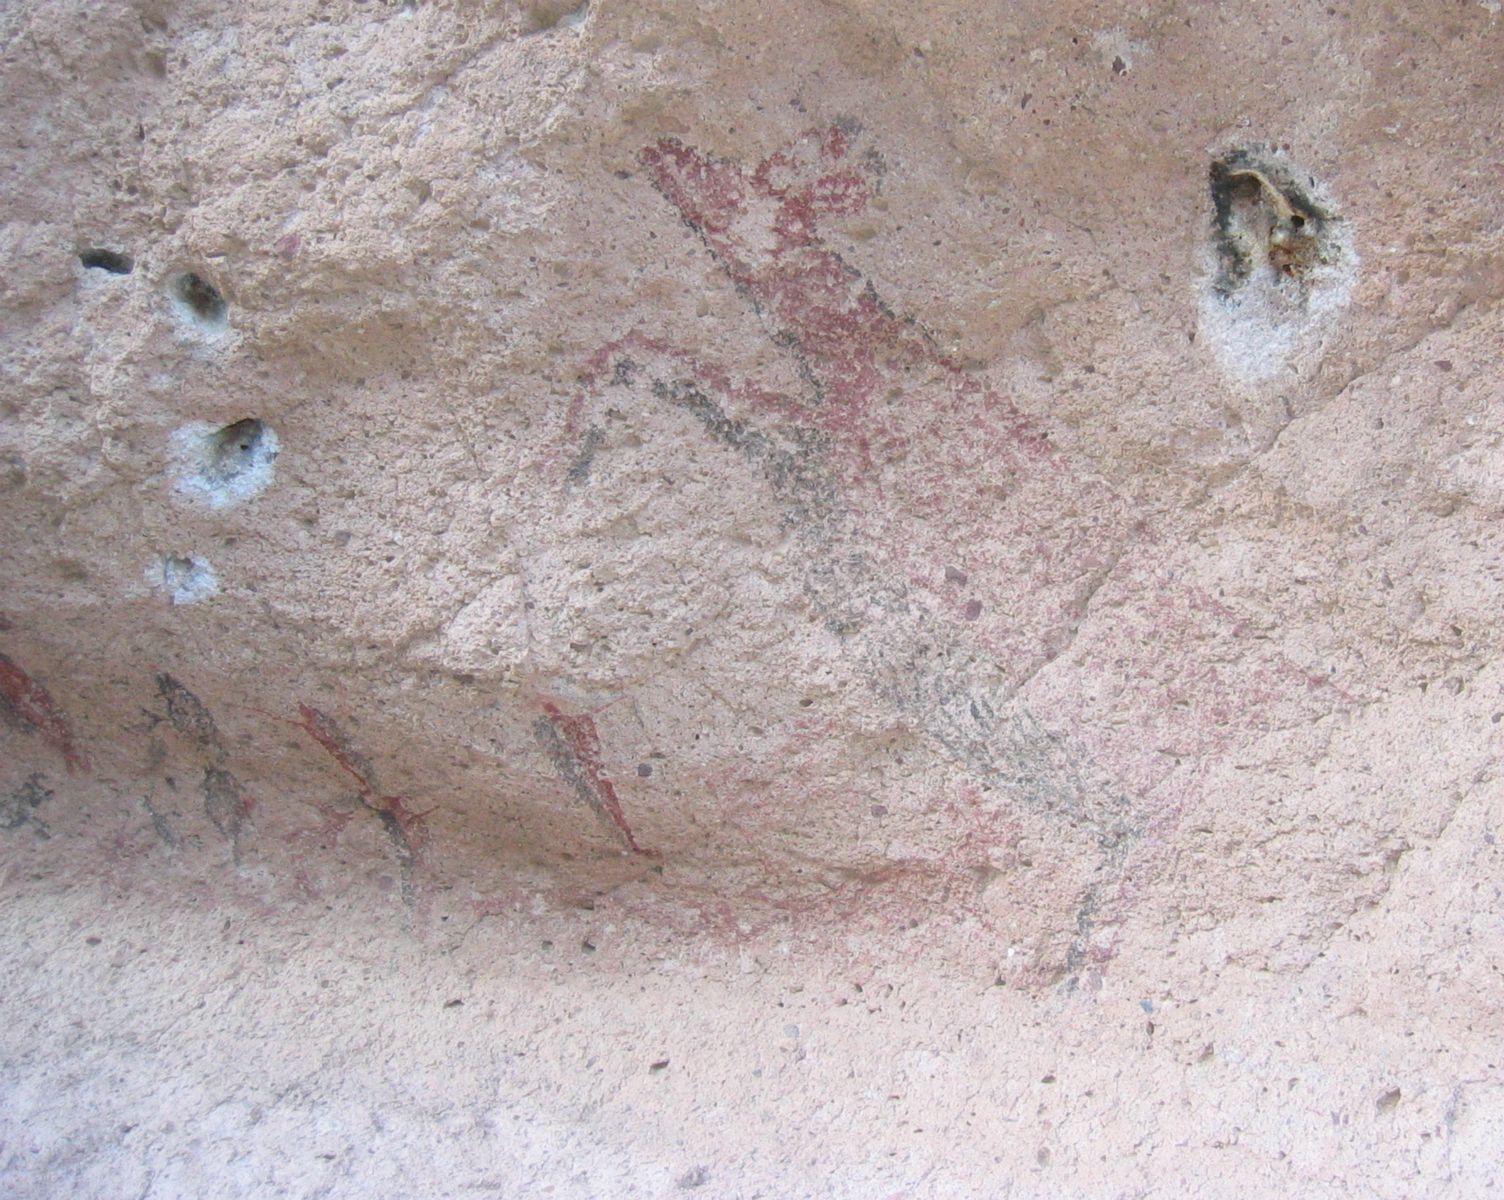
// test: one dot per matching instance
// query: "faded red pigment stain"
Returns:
(327, 734)
(1194, 684)
(762, 226)
(34, 707)
(584, 769)
(599, 366)
(864, 896)
(910, 432)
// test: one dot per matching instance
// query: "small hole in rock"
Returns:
(187, 579)
(225, 465)
(107, 260)
(543, 15)
(200, 299)
(1263, 216)
(236, 449)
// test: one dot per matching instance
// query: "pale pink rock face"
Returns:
(863, 599)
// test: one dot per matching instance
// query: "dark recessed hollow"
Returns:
(107, 260)
(1262, 214)
(235, 448)
(200, 297)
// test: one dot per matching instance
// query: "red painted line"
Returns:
(763, 227)
(323, 730)
(580, 735)
(32, 703)
(326, 733)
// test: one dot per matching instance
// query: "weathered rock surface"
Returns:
(771, 599)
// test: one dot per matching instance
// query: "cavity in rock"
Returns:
(107, 260)
(200, 301)
(237, 449)
(1280, 267)
(227, 464)
(1265, 220)
(186, 579)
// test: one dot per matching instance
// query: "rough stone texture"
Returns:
(801, 598)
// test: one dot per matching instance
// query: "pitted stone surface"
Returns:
(587, 586)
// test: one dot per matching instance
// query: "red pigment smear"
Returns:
(30, 701)
(905, 422)
(323, 730)
(580, 735)
(600, 364)
(762, 227)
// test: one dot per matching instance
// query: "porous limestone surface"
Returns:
(802, 598)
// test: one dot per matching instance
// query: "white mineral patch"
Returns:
(212, 472)
(186, 579)
(1273, 327)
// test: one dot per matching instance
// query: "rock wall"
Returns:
(819, 597)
